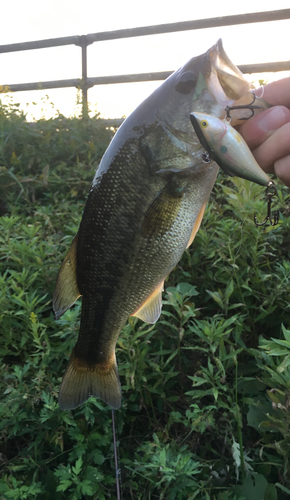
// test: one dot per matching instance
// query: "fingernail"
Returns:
(272, 119)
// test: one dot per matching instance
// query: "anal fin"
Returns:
(83, 380)
(66, 290)
(151, 309)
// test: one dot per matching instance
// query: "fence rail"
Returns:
(83, 41)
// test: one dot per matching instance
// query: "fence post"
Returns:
(84, 86)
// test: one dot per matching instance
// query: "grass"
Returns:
(206, 390)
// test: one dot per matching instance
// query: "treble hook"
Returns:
(270, 192)
(250, 106)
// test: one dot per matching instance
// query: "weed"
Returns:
(205, 411)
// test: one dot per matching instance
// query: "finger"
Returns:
(256, 130)
(276, 93)
(275, 147)
(282, 169)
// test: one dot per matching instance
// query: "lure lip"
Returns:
(201, 137)
(199, 133)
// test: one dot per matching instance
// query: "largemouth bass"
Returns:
(143, 210)
(227, 147)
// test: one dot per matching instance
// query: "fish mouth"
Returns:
(226, 82)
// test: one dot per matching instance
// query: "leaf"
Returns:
(286, 333)
(229, 290)
(187, 289)
(257, 414)
(271, 492)
(86, 487)
(283, 488)
(253, 488)
(64, 485)
(215, 393)
(236, 453)
(78, 466)
(217, 298)
(284, 365)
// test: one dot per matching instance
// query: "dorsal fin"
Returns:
(66, 289)
(151, 309)
(196, 225)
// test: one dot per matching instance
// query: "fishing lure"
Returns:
(226, 146)
(228, 149)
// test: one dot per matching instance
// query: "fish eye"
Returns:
(186, 82)
(204, 123)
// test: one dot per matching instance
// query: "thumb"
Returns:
(256, 130)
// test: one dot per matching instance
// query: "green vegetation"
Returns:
(206, 390)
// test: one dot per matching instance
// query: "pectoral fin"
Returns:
(66, 289)
(196, 225)
(162, 214)
(151, 309)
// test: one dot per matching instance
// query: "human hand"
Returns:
(268, 133)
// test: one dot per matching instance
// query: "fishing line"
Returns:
(118, 471)
(263, 90)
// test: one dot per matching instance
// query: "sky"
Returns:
(29, 20)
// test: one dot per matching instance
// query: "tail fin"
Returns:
(82, 380)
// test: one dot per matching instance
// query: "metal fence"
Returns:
(83, 41)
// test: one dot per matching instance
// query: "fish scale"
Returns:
(144, 208)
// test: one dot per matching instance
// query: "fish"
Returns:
(144, 208)
(227, 148)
